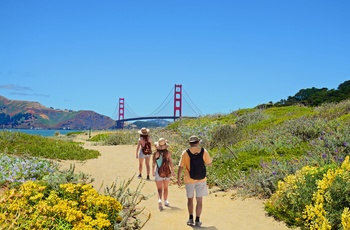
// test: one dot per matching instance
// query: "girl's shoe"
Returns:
(166, 203)
(160, 206)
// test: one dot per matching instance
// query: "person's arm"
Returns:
(171, 165)
(207, 158)
(154, 164)
(138, 149)
(150, 143)
(179, 174)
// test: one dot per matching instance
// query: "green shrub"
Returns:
(294, 193)
(34, 206)
(314, 197)
(224, 136)
(74, 133)
(18, 143)
(331, 201)
(121, 138)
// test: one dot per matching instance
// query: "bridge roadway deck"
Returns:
(149, 118)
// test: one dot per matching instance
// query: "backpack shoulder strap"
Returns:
(189, 153)
(202, 151)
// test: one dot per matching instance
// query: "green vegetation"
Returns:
(293, 156)
(314, 197)
(72, 134)
(315, 97)
(118, 137)
(33, 145)
(40, 195)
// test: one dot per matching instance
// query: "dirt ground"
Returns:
(220, 210)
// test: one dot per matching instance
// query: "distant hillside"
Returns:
(148, 124)
(26, 115)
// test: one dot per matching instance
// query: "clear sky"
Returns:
(228, 55)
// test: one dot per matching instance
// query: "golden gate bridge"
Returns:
(177, 108)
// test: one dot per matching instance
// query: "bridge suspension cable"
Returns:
(157, 110)
(178, 105)
(200, 112)
(129, 110)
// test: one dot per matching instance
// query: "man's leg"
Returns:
(190, 211)
(190, 205)
(190, 197)
(199, 206)
(201, 191)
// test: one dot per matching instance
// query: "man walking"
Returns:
(193, 162)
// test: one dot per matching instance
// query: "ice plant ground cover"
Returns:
(18, 170)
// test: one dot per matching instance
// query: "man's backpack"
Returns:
(198, 170)
(164, 169)
(147, 149)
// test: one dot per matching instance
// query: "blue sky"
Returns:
(228, 55)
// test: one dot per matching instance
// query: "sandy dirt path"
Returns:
(220, 211)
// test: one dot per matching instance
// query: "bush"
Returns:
(18, 143)
(224, 136)
(78, 206)
(314, 198)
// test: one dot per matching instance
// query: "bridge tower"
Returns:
(120, 121)
(177, 101)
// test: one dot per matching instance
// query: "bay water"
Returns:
(42, 132)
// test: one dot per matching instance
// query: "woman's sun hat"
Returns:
(161, 144)
(143, 131)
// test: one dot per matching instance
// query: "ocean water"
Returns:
(42, 132)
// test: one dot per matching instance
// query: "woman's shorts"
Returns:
(141, 155)
(158, 178)
(199, 187)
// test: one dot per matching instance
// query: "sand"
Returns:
(220, 210)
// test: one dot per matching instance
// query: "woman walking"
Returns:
(144, 151)
(163, 170)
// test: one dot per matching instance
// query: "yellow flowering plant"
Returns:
(331, 201)
(294, 193)
(315, 198)
(74, 206)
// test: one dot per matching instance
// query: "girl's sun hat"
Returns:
(161, 144)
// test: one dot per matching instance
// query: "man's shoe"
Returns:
(190, 222)
(198, 223)
(139, 176)
(148, 178)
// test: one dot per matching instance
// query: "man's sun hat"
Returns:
(193, 139)
(143, 131)
(161, 144)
